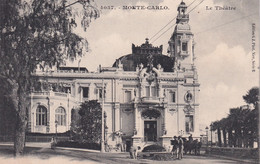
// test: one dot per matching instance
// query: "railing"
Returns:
(40, 93)
(60, 94)
(5, 138)
(234, 151)
(152, 99)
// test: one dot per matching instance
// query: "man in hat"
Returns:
(180, 148)
(174, 144)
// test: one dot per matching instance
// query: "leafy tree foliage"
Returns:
(252, 96)
(7, 112)
(241, 123)
(37, 33)
(88, 126)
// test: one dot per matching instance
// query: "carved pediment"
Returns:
(151, 113)
(188, 109)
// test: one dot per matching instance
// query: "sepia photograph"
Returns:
(129, 81)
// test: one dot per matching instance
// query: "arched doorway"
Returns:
(150, 124)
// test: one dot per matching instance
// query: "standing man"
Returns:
(190, 138)
(174, 144)
(132, 152)
(180, 148)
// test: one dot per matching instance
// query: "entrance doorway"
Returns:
(150, 131)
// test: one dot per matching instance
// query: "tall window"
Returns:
(41, 116)
(184, 46)
(154, 91)
(60, 116)
(99, 93)
(147, 91)
(172, 97)
(127, 96)
(85, 92)
(189, 123)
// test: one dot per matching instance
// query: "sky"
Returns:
(223, 44)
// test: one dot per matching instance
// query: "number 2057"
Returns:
(107, 7)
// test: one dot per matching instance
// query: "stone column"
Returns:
(137, 133)
(117, 118)
(165, 139)
(48, 114)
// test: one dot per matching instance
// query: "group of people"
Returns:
(177, 147)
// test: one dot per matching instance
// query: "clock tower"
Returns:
(181, 43)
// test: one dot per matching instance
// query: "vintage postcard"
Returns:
(143, 81)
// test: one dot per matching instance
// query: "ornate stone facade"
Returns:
(149, 97)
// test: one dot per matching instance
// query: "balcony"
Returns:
(50, 94)
(151, 100)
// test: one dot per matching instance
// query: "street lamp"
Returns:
(211, 128)
(207, 128)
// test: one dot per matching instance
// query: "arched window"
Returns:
(60, 116)
(41, 116)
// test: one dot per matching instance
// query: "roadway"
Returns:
(44, 154)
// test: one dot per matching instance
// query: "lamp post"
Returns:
(207, 128)
(211, 128)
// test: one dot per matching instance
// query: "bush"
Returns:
(163, 157)
(74, 144)
(154, 148)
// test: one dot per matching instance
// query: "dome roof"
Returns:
(140, 55)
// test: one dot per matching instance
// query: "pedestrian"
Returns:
(133, 152)
(190, 138)
(174, 144)
(180, 148)
(53, 142)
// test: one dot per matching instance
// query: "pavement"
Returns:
(39, 151)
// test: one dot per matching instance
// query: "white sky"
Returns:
(223, 45)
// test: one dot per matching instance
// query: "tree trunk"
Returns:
(225, 137)
(21, 123)
(219, 138)
(239, 138)
(230, 138)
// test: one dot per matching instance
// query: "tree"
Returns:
(252, 96)
(88, 127)
(216, 126)
(7, 113)
(251, 123)
(224, 126)
(39, 32)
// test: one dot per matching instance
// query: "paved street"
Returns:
(47, 155)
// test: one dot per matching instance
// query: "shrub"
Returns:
(162, 157)
(154, 148)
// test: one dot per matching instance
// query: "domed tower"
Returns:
(181, 43)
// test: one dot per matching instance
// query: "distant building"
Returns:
(148, 96)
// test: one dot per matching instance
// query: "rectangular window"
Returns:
(99, 93)
(66, 89)
(127, 96)
(184, 46)
(189, 123)
(173, 97)
(154, 91)
(147, 91)
(85, 92)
